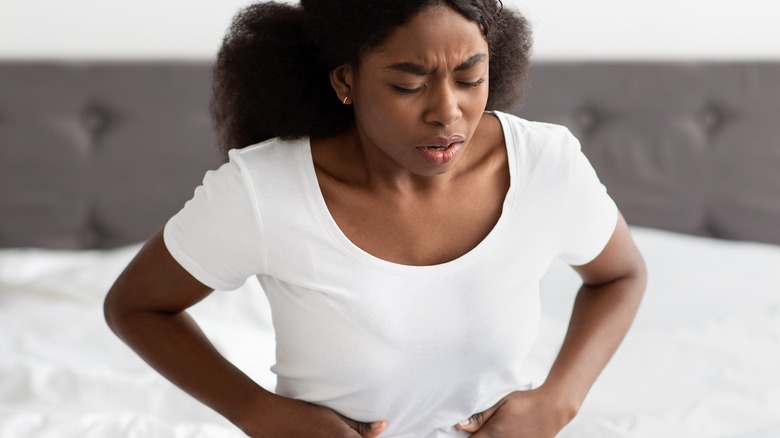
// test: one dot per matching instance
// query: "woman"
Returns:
(398, 229)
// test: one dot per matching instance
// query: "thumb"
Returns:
(374, 430)
(476, 421)
(366, 430)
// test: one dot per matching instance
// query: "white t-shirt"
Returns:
(422, 347)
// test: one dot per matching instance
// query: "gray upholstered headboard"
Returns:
(689, 147)
(95, 155)
(99, 155)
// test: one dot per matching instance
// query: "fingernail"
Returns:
(377, 425)
(465, 422)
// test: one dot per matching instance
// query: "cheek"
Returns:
(384, 113)
(482, 97)
(479, 102)
(473, 106)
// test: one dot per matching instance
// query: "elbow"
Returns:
(633, 273)
(634, 284)
(633, 281)
(112, 311)
(109, 311)
(638, 274)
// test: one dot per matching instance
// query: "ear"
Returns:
(342, 79)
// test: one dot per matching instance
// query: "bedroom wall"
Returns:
(565, 29)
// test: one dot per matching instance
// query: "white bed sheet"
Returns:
(702, 359)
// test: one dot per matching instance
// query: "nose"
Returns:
(443, 108)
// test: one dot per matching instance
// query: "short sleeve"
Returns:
(217, 236)
(589, 215)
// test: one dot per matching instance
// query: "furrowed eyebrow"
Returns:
(421, 70)
(410, 67)
(471, 62)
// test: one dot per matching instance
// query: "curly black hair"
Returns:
(271, 76)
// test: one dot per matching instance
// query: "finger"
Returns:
(474, 422)
(375, 429)
(366, 430)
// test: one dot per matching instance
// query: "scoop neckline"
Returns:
(371, 260)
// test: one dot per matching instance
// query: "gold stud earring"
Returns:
(346, 98)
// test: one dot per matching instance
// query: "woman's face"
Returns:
(420, 96)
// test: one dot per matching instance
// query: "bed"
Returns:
(95, 156)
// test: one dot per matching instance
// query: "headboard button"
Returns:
(711, 117)
(90, 238)
(587, 119)
(95, 119)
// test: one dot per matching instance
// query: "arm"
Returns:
(146, 308)
(605, 307)
(613, 285)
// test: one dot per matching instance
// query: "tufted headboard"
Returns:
(688, 147)
(100, 154)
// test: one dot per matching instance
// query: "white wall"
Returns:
(654, 29)
(564, 29)
(113, 28)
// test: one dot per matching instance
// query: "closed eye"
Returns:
(403, 90)
(474, 84)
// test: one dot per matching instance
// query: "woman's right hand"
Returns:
(284, 417)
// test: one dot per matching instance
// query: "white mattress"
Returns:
(702, 360)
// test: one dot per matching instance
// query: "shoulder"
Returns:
(272, 149)
(534, 133)
(257, 166)
(537, 145)
(269, 158)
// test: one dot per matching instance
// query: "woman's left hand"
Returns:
(534, 414)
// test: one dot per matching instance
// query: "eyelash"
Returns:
(402, 90)
(474, 84)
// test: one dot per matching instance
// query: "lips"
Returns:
(440, 143)
(441, 150)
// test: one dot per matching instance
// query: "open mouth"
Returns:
(441, 149)
(438, 148)
(440, 154)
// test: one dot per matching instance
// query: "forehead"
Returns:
(436, 34)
